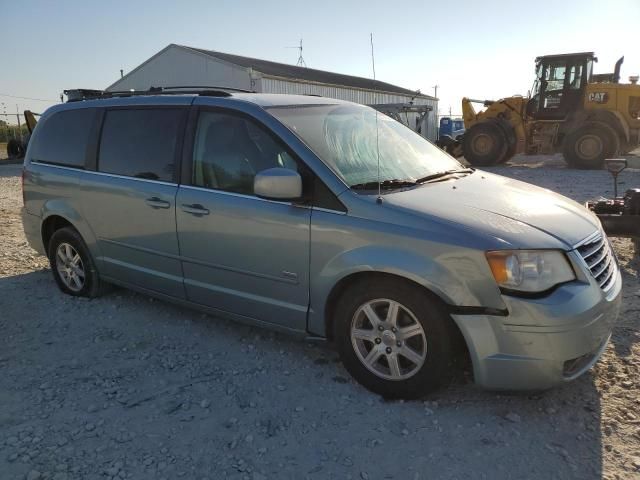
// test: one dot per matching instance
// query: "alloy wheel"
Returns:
(388, 339)
(70, 267)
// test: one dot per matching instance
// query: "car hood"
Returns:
(520, 214)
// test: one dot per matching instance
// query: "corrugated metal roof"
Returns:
(302, 73)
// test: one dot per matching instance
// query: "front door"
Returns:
(562, 86)
(240, 253)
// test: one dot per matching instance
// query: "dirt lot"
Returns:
(129, 387)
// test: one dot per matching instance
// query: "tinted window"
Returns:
(229, 150)
(140, 143)
(62, 138)
(575, 77)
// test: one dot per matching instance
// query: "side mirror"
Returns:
(278, 184)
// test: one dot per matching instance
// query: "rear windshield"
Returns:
(350, 138)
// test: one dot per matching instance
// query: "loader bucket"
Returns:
(30, 119)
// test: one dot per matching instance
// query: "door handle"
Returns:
(155, 202)
(195, 209)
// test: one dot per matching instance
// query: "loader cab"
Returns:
(559, 85)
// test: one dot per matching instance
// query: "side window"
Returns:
(229, 150)
(140, 143)
(575, 77)
(634, 107)
(62, 139)
(554, 86)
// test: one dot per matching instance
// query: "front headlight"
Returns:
(530, 271)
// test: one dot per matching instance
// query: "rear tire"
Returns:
(409, 354)
(72, 266)
(511, 151)
(485, 144)
(589, 145)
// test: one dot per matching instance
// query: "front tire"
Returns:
(72, 266)
(394, 339)
(485, 144)
(588, 146)
(511, 139)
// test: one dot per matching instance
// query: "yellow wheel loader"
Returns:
(571, 110)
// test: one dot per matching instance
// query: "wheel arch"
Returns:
(360, 276)
(613, 119)
(59, 213)
(50, 225)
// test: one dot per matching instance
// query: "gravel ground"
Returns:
(130, 387)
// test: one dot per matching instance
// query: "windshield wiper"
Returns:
(384, 185)
(446, 173)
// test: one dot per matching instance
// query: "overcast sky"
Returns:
(480, 49)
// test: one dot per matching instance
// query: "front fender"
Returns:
(449, 276)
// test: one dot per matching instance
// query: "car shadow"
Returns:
(154, 368)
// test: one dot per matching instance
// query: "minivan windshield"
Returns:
(349, 138)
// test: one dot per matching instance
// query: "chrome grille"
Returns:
(599, 259)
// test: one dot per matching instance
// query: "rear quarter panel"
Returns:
(53, 190)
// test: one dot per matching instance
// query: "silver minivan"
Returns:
(326, 219)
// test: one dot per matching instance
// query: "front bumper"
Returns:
(542, 342)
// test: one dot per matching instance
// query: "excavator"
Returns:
(570, 110)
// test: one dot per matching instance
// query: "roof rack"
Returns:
(79, 94)
(204, 87)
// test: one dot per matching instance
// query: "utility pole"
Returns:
(6, 125)
(19, 126)
(6, 121)
(435, 94)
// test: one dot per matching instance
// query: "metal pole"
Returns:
(19, 126)
(435, 94)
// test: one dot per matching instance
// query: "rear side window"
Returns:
(62, 139)
(140, 143)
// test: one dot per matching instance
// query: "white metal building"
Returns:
(178, 65)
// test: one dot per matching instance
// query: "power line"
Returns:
(27, 98)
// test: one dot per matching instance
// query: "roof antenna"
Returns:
(301, 62)
(373, 66)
